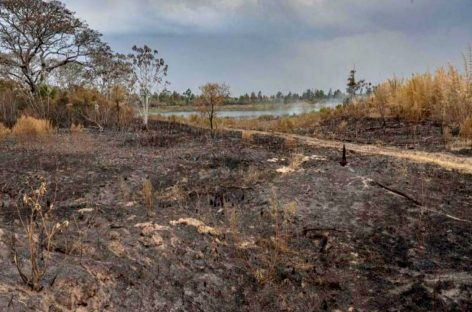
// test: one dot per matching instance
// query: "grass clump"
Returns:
(4, 131)
(466, 128)
(278, 247)
(289, 142)
(246, 136)
(76, 128)
(148, 193)
(28, 127)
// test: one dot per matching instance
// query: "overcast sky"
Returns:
(273, 45)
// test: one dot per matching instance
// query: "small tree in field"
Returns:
(213, 95)
(149, 72)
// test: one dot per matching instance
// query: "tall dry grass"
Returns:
(29, 127)
(148, 195)
(466, 128)
(444, 97)
(4, 131)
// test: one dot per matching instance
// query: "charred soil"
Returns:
(237, 225)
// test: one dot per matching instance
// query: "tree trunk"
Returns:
(211, 119)
(146, 111)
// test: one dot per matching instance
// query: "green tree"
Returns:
(188, 96)
(37, 37)
(353, 85)
(213, 95)
(149, 73)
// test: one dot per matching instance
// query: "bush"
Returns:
(90, 108)
(28, 126)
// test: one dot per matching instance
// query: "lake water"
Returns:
(262, 110)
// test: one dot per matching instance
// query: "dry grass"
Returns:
(253, 175)
(282, 216)
(296, 161)
(289, 142)
(30, 127)
(466, 128)
(263, 123)
(40, 230)
(246, 136)
(233, 220)
(4, 131)
(342, 126)
(445, 96)
(76, 128)
(447, 136)
(125, 191)
(148, 194)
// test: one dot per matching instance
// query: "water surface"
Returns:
(255, 111)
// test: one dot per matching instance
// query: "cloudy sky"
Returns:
(273, 45)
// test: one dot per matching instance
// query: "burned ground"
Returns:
(424, 136)
(379, 234)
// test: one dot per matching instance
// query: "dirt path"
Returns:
(447, 161)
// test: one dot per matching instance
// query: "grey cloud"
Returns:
(286, 44)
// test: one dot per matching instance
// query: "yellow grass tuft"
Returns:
(148, 195)
(28, 127)
(447, 136)
(4, 131)
(76, 128)
(466, 128)
(342, 126)
(444, 96)
(297, 161)
(246, 136)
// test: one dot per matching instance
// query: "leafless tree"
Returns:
(149, 73)
(213, 95)
(37, 37)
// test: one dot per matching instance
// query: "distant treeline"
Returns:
(174, 98)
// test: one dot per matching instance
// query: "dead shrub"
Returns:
(30, 127)
(41, 230)
(282, 217)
